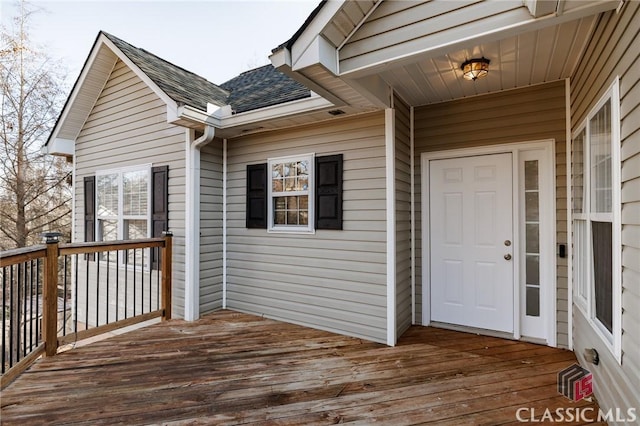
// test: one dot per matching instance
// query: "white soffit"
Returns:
(399, 33)
(85, 93)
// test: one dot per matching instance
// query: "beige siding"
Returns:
(128, 127)
(403, 215)
(613, 51)
(211, 227)
(529, 114)
(390, 31)
(332, 280)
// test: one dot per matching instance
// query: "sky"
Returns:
(216, 39)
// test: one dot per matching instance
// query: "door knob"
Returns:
(507, 257)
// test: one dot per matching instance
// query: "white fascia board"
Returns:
(171, 104)
(320, 51)
(58, 146)
(539, 8)
(277, 111)
(281, 58)
(186, 112)
(315, 27)
(300, 106)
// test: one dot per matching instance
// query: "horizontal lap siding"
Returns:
(403, 215)
(211, 227)
(529, 114)
(128, 127)
(614, 51)
(332, 280)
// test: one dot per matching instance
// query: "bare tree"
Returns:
(34, 190)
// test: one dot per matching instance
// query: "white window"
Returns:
(122, 206)
(290, 198)
(595, 181)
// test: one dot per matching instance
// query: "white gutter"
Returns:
(192, 222)
(221, 122)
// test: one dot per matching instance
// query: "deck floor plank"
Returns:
(233, 368)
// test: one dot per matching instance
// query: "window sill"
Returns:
(299, 231)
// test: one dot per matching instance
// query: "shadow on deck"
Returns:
(233, 368)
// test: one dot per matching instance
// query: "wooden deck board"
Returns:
(232, 368)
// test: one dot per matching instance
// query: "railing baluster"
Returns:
(107, 300)
(97, 291)
(75, 296)
(38, 337)
(126, 285)
(118, 284)
(64, 298)
(18, 313)
(4, 317)
(134, 282)
(11, 316)
(23, 323)
(142, 281)
(158, 265)
(150, 280)
(30, 305)
(86, 294)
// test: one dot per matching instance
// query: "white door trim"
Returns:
(548, 146)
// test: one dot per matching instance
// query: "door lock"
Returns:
(507, 256)
(507, 243)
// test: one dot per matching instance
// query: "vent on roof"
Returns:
(336, 112)
(252, 129)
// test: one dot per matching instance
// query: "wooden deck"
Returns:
(232, 368)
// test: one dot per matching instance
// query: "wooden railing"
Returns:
(57, 294)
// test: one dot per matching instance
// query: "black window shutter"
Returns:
(90, 211)
(328, 192)
(159, 200)
(257, 196)
(160, 206)
(90, 208)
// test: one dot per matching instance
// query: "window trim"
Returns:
(292, 229)
(613, 339)
(121, 217)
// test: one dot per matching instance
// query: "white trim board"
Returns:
(390, 136)
(548, 146)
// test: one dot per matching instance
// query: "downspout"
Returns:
(192, 223)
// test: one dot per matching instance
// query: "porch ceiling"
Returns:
(535, 57)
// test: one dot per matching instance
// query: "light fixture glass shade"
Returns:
(474, 69)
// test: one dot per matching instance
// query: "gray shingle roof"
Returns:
(181, 85)
(262, 87)
(257, 88)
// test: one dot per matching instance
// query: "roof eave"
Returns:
(73, 127)
(222, 120)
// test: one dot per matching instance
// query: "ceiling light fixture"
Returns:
(474, 69)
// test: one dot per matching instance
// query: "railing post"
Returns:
(166, 275)
(50, 293)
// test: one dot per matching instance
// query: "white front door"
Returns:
(471, 235)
